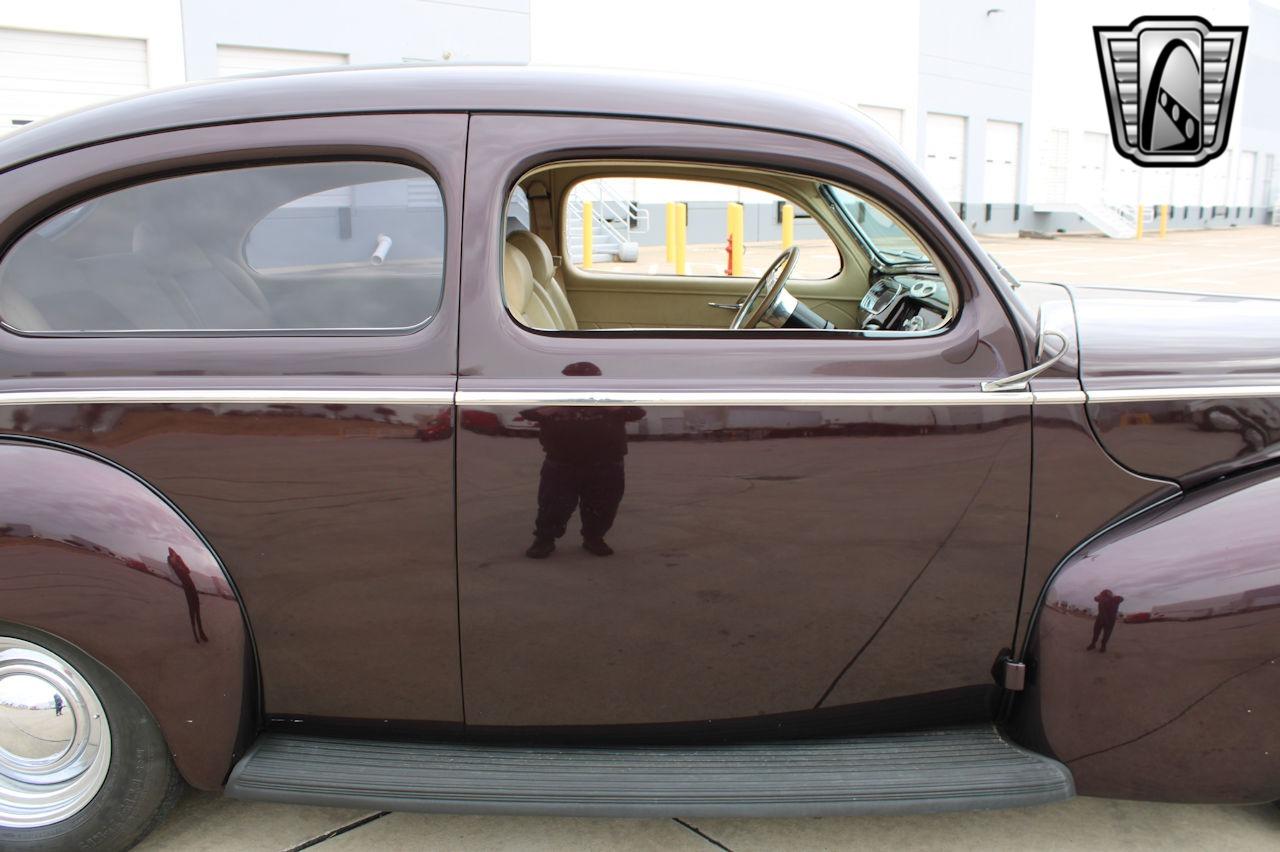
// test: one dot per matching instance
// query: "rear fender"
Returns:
(91, 554)
(1184, 705)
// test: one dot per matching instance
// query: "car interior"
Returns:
(852, 266)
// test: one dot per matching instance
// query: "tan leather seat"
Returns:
(544, 272)
(518, 286)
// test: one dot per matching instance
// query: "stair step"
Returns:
(936, 770)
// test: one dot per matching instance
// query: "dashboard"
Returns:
(914, 302)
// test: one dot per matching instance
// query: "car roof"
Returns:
(409, 88)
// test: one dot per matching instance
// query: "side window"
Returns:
(664, 246)
(340, 246)
(631, 232)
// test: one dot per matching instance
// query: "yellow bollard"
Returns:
(681, 230)
(671, 231)
(788, 225)
(588, 234)
(1138, 235)
(735, 218)
(1164, 220)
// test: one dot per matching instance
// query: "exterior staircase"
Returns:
(614, 221)
(1116, 221)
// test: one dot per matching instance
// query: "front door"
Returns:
(802, 523)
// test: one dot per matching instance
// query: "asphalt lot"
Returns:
(1226, 261)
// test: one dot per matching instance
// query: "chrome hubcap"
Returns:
(55, 743)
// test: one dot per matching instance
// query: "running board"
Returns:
(938, 770)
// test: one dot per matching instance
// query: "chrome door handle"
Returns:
(724, 307)
(1019, 381)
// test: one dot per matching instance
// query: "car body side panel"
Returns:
(1169, 344)
(770, 558)
(334, 518)
(1077, 489)
(1182, 706)
(92, 555)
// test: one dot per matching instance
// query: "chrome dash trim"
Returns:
(1175, 394)
(784, 398)
(232, 395)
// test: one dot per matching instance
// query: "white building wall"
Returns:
(156, 23)
(373, 32)
(857, 53)
(976, 61)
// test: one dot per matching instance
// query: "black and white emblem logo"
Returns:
(1170, 85)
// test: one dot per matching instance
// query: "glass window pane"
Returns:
(629, 229)
(304, 246)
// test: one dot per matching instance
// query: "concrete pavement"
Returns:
(205, 822)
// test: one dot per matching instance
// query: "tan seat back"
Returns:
(544, 272)
(518, 286)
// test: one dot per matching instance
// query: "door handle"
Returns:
(1019, 381)
(724, 307)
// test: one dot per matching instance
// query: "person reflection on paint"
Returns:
(1105, 622)
(583, 469)
(193, 597)
(57, 704)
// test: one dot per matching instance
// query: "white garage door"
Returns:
(250, 60)
(889, 118)
(44, 73)
(1055, 157)
(1245, 165)
(944, 153)
(1000, 173)
(1092, 168)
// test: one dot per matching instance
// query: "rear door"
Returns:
(204, 308)
(808, 524)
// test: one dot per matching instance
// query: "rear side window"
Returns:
(350, 246)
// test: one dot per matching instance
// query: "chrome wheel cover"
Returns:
(55, 743)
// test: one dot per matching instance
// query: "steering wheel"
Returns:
(767, 292)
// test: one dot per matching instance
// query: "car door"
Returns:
(810, 525)
(200, 307)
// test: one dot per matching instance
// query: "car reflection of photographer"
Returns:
(583, 468)
(1105, 622)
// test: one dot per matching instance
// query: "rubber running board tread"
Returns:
(937, 770)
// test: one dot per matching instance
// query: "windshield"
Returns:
(881, 233)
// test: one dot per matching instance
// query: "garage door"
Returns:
(887, 117)
(45, 73)
(1000, 174)
(944, 154)
(1092, 166)
(1055, 151)
(250, 60)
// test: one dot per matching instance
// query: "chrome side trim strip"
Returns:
(1062, 397)
(650, 398)
(783, 398)
(1172, 394)
(241, 395)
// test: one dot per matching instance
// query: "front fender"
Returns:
(94, 556)
(1184, 705)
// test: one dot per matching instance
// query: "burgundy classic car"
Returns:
(311, 386)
